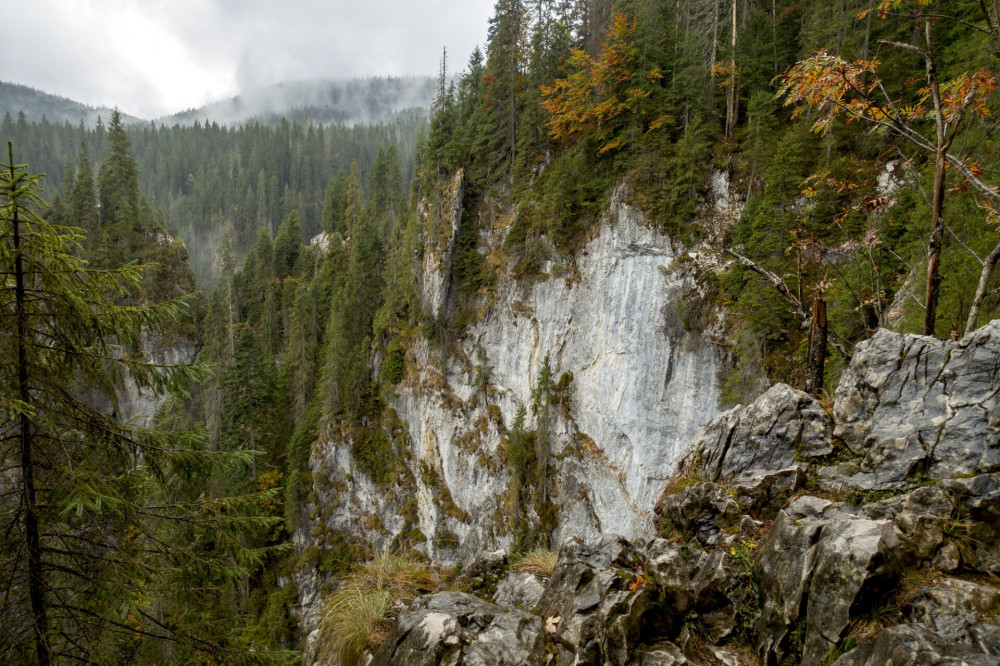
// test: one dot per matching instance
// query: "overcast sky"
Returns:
(154, 57)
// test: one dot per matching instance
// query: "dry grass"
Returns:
(539, 562)
(358, 615)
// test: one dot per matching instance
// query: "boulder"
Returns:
(913, 645)
(701, 512)
(519, 590)
(959, 611)
(772, 433)
(915, 405)
(598, 606)
(459, 629)
(820, 562)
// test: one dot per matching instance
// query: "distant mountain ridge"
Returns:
(36, 105)
(320, 101)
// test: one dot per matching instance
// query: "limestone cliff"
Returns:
(629, 388)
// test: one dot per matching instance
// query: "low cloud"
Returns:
(154, 57)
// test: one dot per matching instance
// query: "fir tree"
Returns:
(88, 559)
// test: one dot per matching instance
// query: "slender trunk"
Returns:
(815, 364)
(984, 279)
(731, 93)
(36, 583)
(715, 41)
(937, 202)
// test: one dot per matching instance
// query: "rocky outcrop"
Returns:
(918, 406)
(781, 427)
(819, 562)
(866, 535)
(457, 628)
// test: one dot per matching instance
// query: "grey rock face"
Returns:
(661, 654)
(462, 630)
(441, 219)
(914, 404)
(519, 590)
(701, 511)
(634, 387)
(597, 604)
(768, 435)
(819, 561)
(955, 610)
(955, 522)
(914, 645)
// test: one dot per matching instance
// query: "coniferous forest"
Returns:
(283, 259)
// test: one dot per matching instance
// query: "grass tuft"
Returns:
(357, 617)
(539, 562)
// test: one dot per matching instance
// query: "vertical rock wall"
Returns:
(631, 388)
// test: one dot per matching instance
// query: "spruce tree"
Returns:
(89, 508)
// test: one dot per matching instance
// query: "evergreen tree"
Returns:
(287, 245)
(88, 559)
(118, 179)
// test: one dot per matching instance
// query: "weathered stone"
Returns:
(955, 522)
(763, 494)
(955, 610)
(701, 512)
(692, 581)
(461, 630)
(661, 654)
(600, 605)
(770, 434)
(820, 561)
(483, 574)
(920, 517)
(914, 645)
(519, 590)
(917, 405)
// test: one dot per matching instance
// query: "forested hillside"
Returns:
(204, 179)
(856, 141)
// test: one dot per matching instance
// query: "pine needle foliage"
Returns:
(106, 547)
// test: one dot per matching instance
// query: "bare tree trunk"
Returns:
(937, 202)
(731, 93)
(984, 279)
(816, 360)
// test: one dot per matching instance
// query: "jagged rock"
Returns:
(920, 517)
(484, 573)
(598, 604)
(661, 654)
(519, 590)
(914, 645)
(701, 511)
(770, 434)
(459, 629)
(954, 609)
(917, 405)
(955, 522)
(763, 494)
(820, 561)
(692, 581)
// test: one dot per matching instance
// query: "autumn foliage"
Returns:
(605, 98)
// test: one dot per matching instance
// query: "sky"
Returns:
(155, 57)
